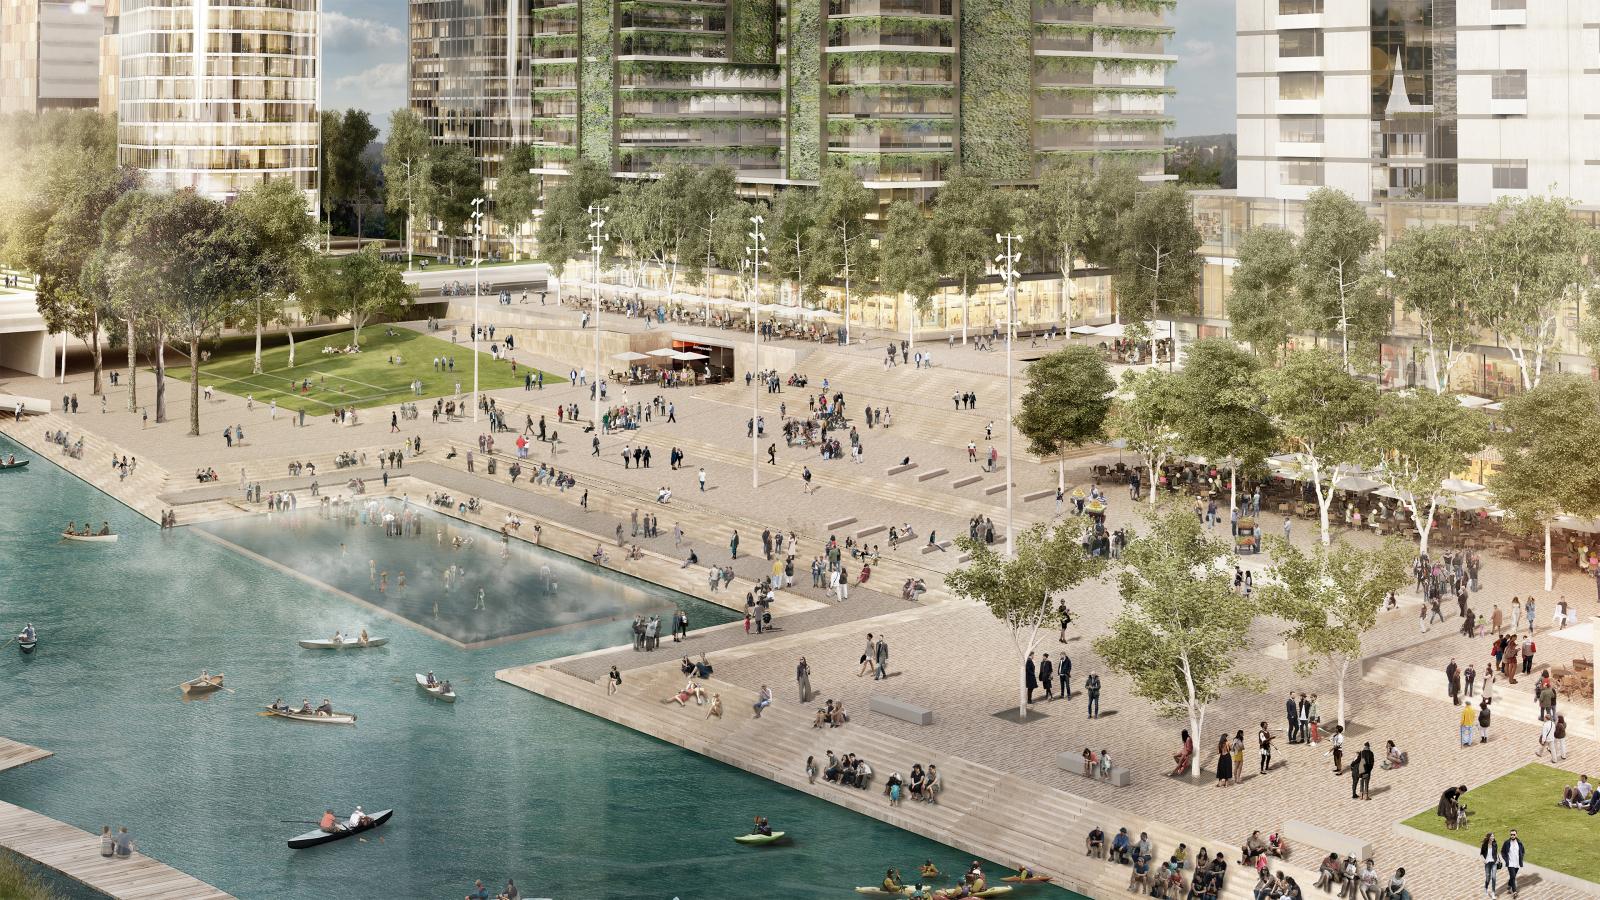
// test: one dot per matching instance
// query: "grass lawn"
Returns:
(360, 379)
(1528, 800)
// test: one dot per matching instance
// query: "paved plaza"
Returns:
(948, 655)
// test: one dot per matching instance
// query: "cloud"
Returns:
(1197, 53)
(346, 33)
(382, 77)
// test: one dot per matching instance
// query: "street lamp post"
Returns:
(475, 226)
(753, 256)
(1007, 262)
(597, 240)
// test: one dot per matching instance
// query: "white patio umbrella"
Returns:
(1086, 329)
(1357, 483)
(687, 357)
(1460, 486)
(630, 356)
(664, 351)
(1573, 523)
(1472, 401)
(1467, 502)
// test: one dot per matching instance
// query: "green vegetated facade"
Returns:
(803, 81)
(997, 88)
(597, 82)
(753, 31)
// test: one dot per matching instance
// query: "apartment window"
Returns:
(1300, 86)
(1299, 7)
(1511, 176)
(1508, 4)
(1510, 85)
(1299, 130)
(1300, 173)
(1299, 42)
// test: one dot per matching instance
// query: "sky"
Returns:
(364, 59)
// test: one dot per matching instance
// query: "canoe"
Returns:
(69, 536)
(348, 643)
(27, 646)
(436, 689)
(880, 892)
(338, 718)
(313, 838)
(759, 839)
(1032, 879)
(19, 464)
(999, 890)
(202, 685)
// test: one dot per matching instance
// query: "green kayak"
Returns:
(772, 838)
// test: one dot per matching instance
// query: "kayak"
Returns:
(436, 689)
(338, 718)
(313, 838)
(1031, 879)
(16, 465)
(999, 890)
(348, 642)
(759, 839)
(880, 892)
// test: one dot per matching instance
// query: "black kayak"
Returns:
(313, 838)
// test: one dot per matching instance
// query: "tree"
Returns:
(274, 215)
(1158, 258)
(457, 181)
(1219, 403)
(1066, 404)
(1416, 441)
(1321, 409)
(1070, 214)
(1263, 305)
(1018, 590)
(1147, 418)
(1181, 625)
(342, 152)
(1337, 281)
(516, 191)
(564, 225)
(791, 239)
(1549, 452)
(1331, 597)
(967, 214)
(712, 191)
(358, 287)
(905, 267)
(730, 241)
(844, 239)
(1433, 277)
(406, 171)
(1535, 259)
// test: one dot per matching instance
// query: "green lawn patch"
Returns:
(1528, 800)
(368, 378)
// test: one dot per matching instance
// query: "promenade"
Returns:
(1007, 798)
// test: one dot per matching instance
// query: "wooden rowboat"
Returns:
(25, 645)
(436, 689)
(348, 643)
(314, 838)
(69, 536)
(19, 464)
(202, 685)
(338, 718)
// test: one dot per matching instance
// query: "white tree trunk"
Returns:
(1344, 670)
(255, 368)
(1549, 574)
(1152, 464)
(1197, 719)
(289, 330)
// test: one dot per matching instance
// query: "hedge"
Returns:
(1092, 63)
(997, 88)
(1110, 89)
(904, 89)
(804, 86)
(691, 119)
(852, 125)
(874, 24)
(596, 81)
(753, 33)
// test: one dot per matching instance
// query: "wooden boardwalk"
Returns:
(76, 854)
(13, 754)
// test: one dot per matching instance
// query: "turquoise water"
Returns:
(504, 783)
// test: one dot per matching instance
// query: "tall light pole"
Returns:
(753, 257)
(597, 240)
(1007, 262)
(475, 226)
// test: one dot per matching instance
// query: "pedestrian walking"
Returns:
(802, 676)
(1264, 745)
(882, 659)
(1512, 856)
(1091, 687)
(1489, 853)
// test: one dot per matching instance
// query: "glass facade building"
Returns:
(219, 95)
(50, 54)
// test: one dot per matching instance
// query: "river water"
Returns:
(502, 783)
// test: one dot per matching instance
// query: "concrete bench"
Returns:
(1304, 833)
(1073, 762)
(1039, 495)
(932, 473)
(963, 482)
(996, 488)
(942, 545)
(900, 709)
(837, 524)
(870, 530)
(896, 470)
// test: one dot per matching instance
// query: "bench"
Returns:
(942, 545)
(963, 482)
(837, 524)
(1073, 762)
(870, 530)
(996, 488)
(896, 470)
(1304, 833)
(932, 473)
(900, 709)
(1038, 495)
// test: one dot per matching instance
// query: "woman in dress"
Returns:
(1238, 756)
(1182, 757)
(1224, 762)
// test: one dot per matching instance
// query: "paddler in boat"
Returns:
(105, 528)
(444, 687)
(763, 826)
(891, 881)
(279, 705)
(363, 637)
(305, 706)
(431, 681)
(1024, 871)
(358, 819)
(27, 635)
(929, 870)
(920, 892)
(326, 709)
(338, 637)
(72, 528)
(330, 823)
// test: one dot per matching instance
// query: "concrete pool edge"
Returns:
(992, 814)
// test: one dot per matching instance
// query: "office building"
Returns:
(50, 54)
(219, 97)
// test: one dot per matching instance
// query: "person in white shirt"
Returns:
(1577, 795)
(1512, 856)
(356, 817)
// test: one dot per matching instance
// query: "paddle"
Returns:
(7, 643)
